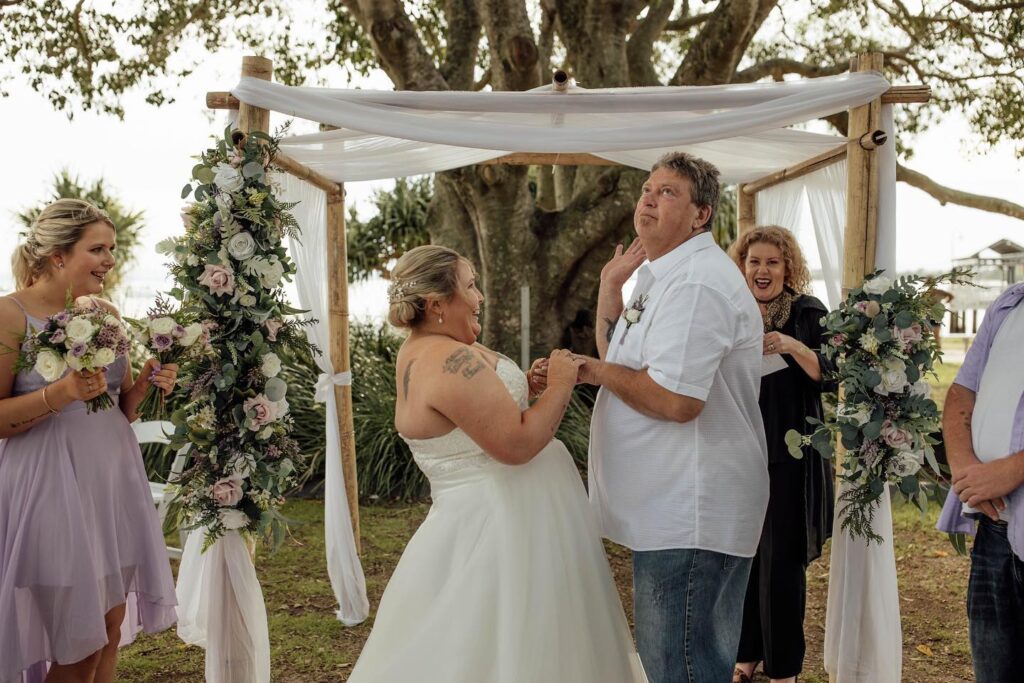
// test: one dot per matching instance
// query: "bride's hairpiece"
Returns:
(397, 290)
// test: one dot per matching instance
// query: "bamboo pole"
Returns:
(337, 273)
(303, 172)
(252, 118)
(862, 184)
(746, 209)
(797, 170)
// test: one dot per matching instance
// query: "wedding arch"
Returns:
(849, 183)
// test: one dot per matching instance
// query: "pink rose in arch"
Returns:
(273, 326)
(894, 436)
(218, 279)
(908, 336)
(260, 410)
(228, 491)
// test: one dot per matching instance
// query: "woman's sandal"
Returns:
(740, 676)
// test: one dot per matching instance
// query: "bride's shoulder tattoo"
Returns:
(463, 361)
(405, 378)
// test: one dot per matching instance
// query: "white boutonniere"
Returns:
(635, 310)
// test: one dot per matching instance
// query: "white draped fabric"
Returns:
(310, 254)
(826, 193)
(220, 608)
(739, 128)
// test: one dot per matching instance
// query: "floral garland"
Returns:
(882, 343)
(229, 269)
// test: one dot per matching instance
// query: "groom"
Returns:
(678, 465)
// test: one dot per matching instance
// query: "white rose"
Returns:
(192, 260)
(632, 316)
(75, 363)
(233, 518)
(50, 365)
(103, 357)
(894, 377)
(271, 365)
(921, 388)
(228, 178)
(861, 413)
(242, 246)
(192, 333)
(906, 463)
(79, 329)
(247, 300)
(877, 285)
(267, 432)
(283, 407)
(163, 325)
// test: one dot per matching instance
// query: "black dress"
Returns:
(800, 506)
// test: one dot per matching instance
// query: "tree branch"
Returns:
(393, 36)
(640, 47)
(975, 7)
(947, 195)
(592, 214)
(686, 23)
(718, 48)
(462, 41)
(514, 56)
(777, 67)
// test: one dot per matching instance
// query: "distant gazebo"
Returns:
(997, 266)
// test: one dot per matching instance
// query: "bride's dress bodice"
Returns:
(453, 458)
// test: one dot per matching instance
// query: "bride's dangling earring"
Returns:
(440, 320)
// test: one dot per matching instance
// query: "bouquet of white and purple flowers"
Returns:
(83, 337)
(169, 336)
(882, 343)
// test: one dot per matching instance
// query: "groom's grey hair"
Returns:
(703, 177)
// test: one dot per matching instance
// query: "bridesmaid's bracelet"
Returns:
(47, 403)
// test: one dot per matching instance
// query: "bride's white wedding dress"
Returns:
(505, 581)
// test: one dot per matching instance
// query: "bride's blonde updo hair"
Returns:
(55, 230)
(427, 271)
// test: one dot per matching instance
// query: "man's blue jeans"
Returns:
(688, 609)
(995, 606)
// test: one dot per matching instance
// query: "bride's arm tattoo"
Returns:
(463, 361)
(405, 378)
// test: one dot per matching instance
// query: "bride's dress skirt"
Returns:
(505, 581)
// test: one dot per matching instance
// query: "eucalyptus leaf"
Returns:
(903, 319)
(252, 169)
(275, 388)
(205, 175)
(872, 429)
(794, 441)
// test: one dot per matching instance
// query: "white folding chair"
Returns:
(156, 432)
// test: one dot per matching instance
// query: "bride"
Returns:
(506, 579)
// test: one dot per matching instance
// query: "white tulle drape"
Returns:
(220, 608)
(826, 194)
(739, 128)
(309, 252)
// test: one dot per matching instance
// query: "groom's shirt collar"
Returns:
(665, 264)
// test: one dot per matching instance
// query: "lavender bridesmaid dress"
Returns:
(78, 533)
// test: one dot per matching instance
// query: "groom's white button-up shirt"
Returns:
(657, 484)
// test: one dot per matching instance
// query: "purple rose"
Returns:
(78, 349)
(162, 342)
(61, 318)
(58, 336)
(178, 332)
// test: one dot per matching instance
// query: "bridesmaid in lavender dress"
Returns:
(80, 541)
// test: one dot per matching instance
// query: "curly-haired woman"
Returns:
(800, 503)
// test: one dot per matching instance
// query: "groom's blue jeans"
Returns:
(688, 609)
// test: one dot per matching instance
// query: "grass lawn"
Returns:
(309, 645)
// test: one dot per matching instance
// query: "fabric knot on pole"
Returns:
(325, 383)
